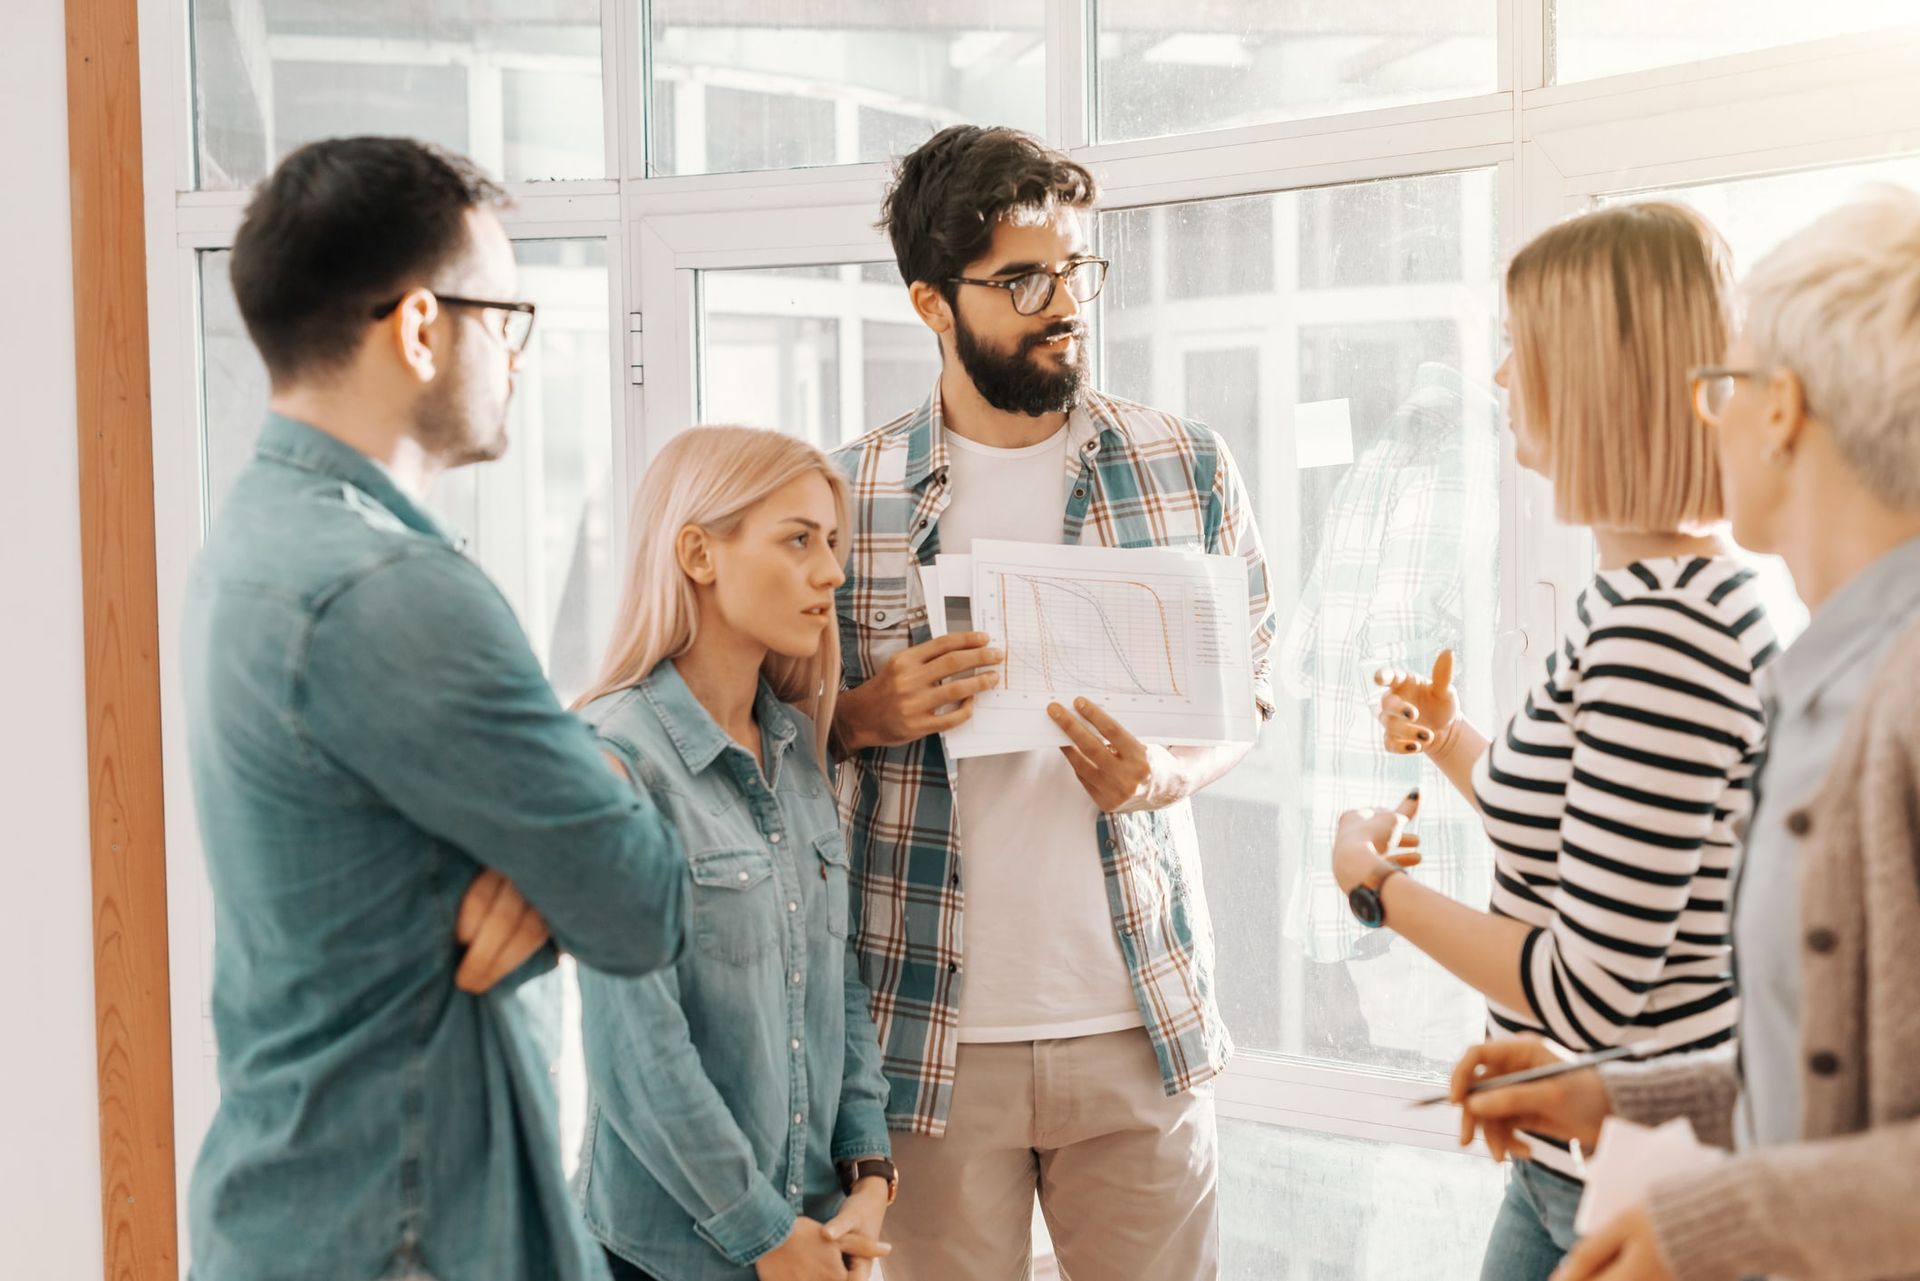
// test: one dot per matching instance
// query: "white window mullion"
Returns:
(1070, 74)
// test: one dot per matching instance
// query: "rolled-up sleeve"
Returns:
(861, 1127)
(1239, 535)
(654, 1091)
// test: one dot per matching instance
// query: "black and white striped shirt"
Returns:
(1611, 801)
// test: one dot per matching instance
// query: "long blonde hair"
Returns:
(711, 477)
(1608, 310)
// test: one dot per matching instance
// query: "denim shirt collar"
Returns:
(1884, 595)
(297, 444)
(695, 733)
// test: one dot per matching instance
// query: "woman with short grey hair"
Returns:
(1816, 414)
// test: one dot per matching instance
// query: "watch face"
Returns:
(1365, 902)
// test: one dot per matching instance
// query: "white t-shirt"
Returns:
(1042, 962)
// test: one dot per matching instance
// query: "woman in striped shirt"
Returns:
(1611, 798)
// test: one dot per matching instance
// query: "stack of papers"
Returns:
(1157, 637)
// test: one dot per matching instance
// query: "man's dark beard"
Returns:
(1016, 383)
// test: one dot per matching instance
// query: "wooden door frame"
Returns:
(126, 802)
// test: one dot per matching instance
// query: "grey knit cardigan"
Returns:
(1843, 1204)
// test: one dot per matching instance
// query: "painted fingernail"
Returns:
(1414, 795)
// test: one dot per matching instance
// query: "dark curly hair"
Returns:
(951, 190)
(339, 228)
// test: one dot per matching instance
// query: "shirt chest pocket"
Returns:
(733, 898)
(832, 851)
(880, 627)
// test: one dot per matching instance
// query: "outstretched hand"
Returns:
(1419, 715)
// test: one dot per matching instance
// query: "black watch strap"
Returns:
(870, 1167)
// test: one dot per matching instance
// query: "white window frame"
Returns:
(1554, 148)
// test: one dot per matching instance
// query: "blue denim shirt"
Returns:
(368, 728)
(724, 1090)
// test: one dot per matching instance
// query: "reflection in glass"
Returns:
(1350, 375)
(1755, 215)
(515, 88)
(1166, 69)
(783, 84)
(1299, 1206)
(824, 352)
(540, 520)
(1593, 38)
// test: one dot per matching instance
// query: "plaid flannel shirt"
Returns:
(1135, 477)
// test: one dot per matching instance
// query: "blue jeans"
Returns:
(1534, 1229)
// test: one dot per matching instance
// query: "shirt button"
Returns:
(1824, 1063)
(793, 1045)
(879, 615)
(744, 878)
(1799, 822)
(799, 1118)
(793, 907)
(793, 1189)
(953, 967)
(773, 838)
(1079, 491)
(796, 978)
(1822, 940)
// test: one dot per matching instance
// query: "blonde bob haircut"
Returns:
(712, 477)
(1608, 311)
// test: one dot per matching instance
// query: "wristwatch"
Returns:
(1364, 899)
(870, 1167)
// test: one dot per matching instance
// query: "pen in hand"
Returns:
(1639, 1049)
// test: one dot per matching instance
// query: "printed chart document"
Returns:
(948, 584)
(1158, 637)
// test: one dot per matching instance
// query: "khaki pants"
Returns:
(1125, 1175)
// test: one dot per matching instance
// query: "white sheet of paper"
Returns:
(1322, 433)
(1157, 637)
(1627, 1162)
(947, 579)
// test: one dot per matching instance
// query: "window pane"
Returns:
(1593, 38)
(781, 84)
(540, 520)
(517, 89)
(1755, 215)
(1297, 1206)
(1341, 340)
(1167, 69)
(825, 352)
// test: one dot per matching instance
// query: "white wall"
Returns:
(49, 1127)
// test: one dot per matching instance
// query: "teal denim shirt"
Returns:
(723, 1091)
(368, 729)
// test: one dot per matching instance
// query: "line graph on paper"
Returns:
(1092, 636)
(1157, 637)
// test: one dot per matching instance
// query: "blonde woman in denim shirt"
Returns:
(737, 1116)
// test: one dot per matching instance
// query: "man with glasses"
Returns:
(1031, 925)
(393, 805)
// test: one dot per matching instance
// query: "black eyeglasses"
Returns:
(515, 327)
(1032, 291)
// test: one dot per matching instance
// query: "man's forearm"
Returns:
(846, 736)
(1200, 768)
